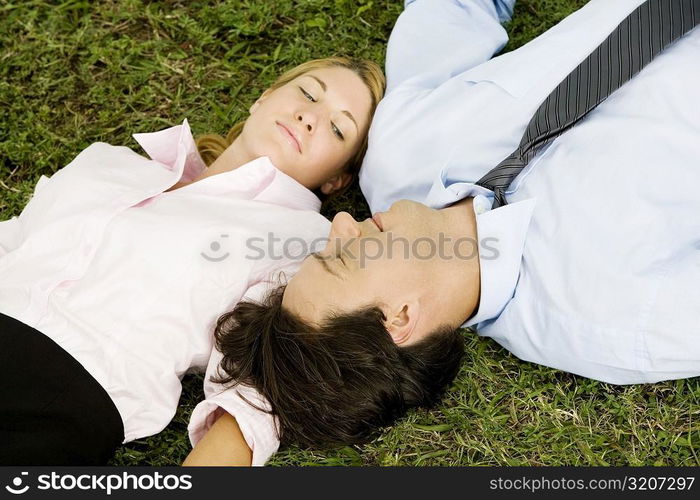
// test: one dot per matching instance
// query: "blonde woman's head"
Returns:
(312, 122)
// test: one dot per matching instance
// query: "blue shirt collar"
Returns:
(501, 234)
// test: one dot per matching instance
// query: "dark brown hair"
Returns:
(337, 384)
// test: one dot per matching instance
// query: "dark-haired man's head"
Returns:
(364, 331)
(420, 266)
(338, 383)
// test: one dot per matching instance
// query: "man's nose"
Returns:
(345, 226)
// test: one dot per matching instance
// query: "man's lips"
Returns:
(376, 218)
(293, 140)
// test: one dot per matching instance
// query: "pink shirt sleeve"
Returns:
(258, 427)
(9, 235)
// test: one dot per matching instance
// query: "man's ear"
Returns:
(259, 101)
(401, 324)
(336, 183)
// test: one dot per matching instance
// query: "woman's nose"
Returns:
(307, 120)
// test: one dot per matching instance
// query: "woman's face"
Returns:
(311, 126)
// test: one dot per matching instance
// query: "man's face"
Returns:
(364, 263)
(311, 126)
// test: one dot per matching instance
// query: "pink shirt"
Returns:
(130, 279)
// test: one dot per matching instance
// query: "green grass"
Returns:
(73, 72)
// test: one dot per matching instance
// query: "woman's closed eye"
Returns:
(337, 132)
(307, 95)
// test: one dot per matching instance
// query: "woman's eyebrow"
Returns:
(325, 87)
(320, 82)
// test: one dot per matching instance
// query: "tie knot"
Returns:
(499, 197)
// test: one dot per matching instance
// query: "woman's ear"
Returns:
(401, 324)
(257, 103)
(336, 183)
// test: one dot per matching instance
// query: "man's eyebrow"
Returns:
(345, 112)
(325, 265)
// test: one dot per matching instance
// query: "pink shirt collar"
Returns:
(175, 148)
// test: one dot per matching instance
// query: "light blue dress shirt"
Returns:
(598, 269)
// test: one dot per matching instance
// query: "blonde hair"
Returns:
(211, 146)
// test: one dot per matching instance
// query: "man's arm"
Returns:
(223, 444)
(436, 39)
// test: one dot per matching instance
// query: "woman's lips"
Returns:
(289, 136)
(378, 221)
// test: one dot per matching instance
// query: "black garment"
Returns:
(52, 411)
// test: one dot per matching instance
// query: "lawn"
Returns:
(76, 72)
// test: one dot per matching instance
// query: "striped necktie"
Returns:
(644, 33)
